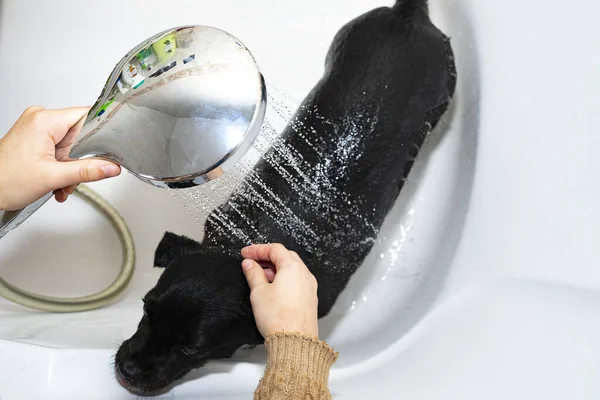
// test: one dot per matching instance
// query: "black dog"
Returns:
(389, 77)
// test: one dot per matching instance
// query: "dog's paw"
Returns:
(171, 246)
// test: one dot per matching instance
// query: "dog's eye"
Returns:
(190, 351)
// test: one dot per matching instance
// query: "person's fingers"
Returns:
(254, 273)
(60, 196)
(68, 173)
(270, 273)
(257, 252)
(64, 122)
(69, 189)
(32, 109)
(295, 255)
(273, 252)
(269, 269)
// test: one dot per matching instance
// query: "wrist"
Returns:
(294, 326)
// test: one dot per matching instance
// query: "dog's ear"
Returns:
(171, 246)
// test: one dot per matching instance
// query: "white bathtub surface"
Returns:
(485, 281)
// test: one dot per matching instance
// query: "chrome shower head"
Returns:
(179, 109)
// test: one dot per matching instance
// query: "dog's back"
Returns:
(389, 76)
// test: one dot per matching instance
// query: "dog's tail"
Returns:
(405, 6)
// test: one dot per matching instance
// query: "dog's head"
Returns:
(198, 310)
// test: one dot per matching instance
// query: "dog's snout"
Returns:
(129, 369)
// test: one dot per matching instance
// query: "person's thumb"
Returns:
(67, 173)
(254, 273)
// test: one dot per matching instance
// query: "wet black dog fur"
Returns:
(389, 77)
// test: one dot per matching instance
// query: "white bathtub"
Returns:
(486, 280)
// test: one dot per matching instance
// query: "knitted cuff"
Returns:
(297, 367)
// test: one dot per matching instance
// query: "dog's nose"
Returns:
(129, 369)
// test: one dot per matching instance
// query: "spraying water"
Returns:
(313, 186)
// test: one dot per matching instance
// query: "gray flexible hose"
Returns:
(94, 301)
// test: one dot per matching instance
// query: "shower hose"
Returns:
(93, 301)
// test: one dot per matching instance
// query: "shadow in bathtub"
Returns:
(458, 25)
(212, 367)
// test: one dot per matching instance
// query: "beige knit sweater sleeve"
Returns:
(297, 368)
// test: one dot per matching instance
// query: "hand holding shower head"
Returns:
(178, 110)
